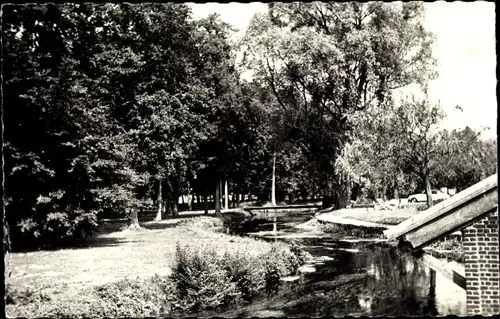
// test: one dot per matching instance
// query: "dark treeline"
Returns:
(110, 107)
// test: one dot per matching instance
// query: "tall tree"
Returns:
(71, 164)
(324, 61)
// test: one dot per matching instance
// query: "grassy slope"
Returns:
(114, 256)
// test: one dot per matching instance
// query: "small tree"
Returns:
(465, 158)
(417, 139)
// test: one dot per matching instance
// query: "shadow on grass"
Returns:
(103, 242)
(112, 226)
(158, 226)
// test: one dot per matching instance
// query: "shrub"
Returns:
(206, 278)
(136, 297)
(201, 280)
(15, 296)
(203, 222)
(425, 207)
(350, 230)
(126, 298)
(57, 229)
(244, 270)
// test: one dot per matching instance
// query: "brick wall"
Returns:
(482, 267)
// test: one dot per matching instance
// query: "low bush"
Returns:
(203, 222)
(14, 296)
(425, 206)
(207, 278)
(351, 231)
(126, 298)
(58, 229)
(449, 248)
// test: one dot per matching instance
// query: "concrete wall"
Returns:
(482, 267)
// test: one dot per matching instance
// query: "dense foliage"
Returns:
(110, 107)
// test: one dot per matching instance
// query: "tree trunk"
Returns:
(226, 196)
(349, 187)
(206, 201)
(6, 233)
(341, 193)
(190, 201)
(134, 217)
(222, 197)
(198, 199)
(168, 207)
(182, 199)
(217, 199)
(428, 190)
(232, 202)
(396, 190)
(328, 198)
(273, 182)
(237, 197)
(175, 208)
(159, 213)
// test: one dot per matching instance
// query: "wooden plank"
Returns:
(442, 208)
(445, 271)
(449, 223)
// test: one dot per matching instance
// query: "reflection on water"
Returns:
(358, 278)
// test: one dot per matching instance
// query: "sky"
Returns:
(464, 49)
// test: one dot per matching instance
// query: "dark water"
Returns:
(353, 278)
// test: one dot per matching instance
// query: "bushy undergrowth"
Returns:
(203, 222)
(125, 298)
(59, 229)
(451, 248)
(448, 244)
(207, 278)
(425, 206)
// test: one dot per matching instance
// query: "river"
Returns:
(351, 277)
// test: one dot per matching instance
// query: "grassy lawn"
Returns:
(63, 274)
(387, 217)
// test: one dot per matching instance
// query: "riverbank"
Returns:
(349, 276)
(342, 231)
(369, 223)
(369, 215)
(129, 273)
